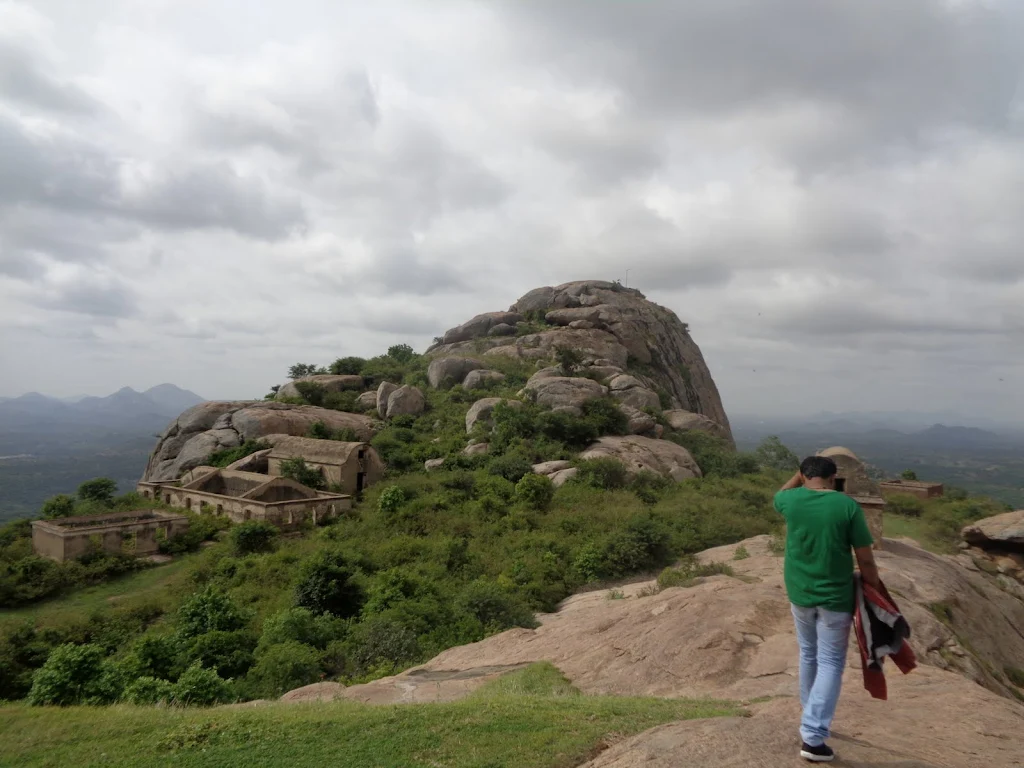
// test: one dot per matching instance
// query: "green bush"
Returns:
(606, 474)
(299, 625)
(300, 370)
(100, 489)
(904, 504)
(283, 667)
(347, 366)
(75, 674)
(512, 467)
(296, 469)
(714, 456)
(231, 455)
(381, 641)
(643, 545)
(689, 571)
(390, 500)
(154, 656)
(772, 454)
(535, 491)
(328, 584)
(60, 505)
(148, 691)
(208, 611)
(569, 360)
(229, 654)
(312, 392)
(606, 416)
(403, 353)
(254, 536)
(200, 687)
(493, 607)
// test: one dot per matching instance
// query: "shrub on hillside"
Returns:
(643, 545)
(606, 416)
(493, 607)
(381, 642)
(402, 353)
(254, 536)
(154, 656)
(347, 366)
(75, 674)
(200, 528)
(713, 455)
(300, 625)
(606, 474)
(904, 504)
(283, 667)
(390, 501)
(772, 454)
(229, 654)
(148, 691)
(231, 455)
(198, 687)
(535, 491)
(327, 583)
(513, 467)
(312, 392)
(99, 489)
(60, 505)
(208, 610)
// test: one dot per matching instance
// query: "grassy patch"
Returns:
(898, 526)
(530, 719)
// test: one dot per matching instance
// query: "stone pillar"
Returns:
(873, 507)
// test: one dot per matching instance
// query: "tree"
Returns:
(773, 454)
(312, 392)
(299, 370)
(347, 366)
(284, 666)
(60, 505)
(296, 469)
(253, 536)
(327, 584)
(908, 474)
(536, 491)
(99, 489)
(402, 353)
(200, 687)
(569, 360)
(208, 611)
(75, 674)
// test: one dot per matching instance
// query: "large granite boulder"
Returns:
(640, 423)
(626, 332)
(481, 379)
(561, 391)
(630, 391)
(329, 382)
(684, 420)
(481, 325)
(1005, 532)
(481, 410)
(445, 372)
(190, 439)
(384, 391)
(639, 454)
(405, 401)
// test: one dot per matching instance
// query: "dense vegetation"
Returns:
(424, 562)
(529, 719)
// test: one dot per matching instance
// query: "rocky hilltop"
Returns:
(612, 326)
(621, 345)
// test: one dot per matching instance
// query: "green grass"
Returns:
(897, 526)
(529, 719)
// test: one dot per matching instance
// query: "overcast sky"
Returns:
(204, 192)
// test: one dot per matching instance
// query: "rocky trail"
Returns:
(731, 637)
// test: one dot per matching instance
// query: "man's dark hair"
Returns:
(818, 466)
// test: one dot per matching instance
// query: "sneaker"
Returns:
(819, 754)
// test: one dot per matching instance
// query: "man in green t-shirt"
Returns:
(824, 530)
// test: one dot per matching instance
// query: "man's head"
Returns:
(819, 472)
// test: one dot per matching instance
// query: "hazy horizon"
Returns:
(205, 193)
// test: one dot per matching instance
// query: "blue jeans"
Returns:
(823, 637)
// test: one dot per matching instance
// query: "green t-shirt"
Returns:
(821, 529)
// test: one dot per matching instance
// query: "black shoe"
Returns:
(819, 754)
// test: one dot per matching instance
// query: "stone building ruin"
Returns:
(348, 467)
(130, 533)
(853, 480)
(244, 496)
(918, 488)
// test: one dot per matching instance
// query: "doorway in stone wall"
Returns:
(360, 480)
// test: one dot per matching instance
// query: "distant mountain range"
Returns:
(50, 445)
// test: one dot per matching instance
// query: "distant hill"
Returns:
(50, 445)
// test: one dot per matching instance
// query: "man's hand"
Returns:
(868, 569)
(794, 482)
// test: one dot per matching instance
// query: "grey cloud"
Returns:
(17, 265)
(23, 79)
(604, 157)
(896, 68)
(101, 299)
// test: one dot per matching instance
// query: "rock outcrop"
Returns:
(732, 638)
(482, 409)
(481, 379)
(612, 327)
(445, 372)
(405, 401)
(562, 391)
(684, 420)
(190, 439)
(1002, 532)
(329, 382)
(646, 454)
(384, 391)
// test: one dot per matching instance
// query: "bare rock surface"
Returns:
(550, 467)
(367, 400)
(190, 439)
(482, 378)
(685, 420)
(448, 371)
(639, 454)
(610, 326)
(1004, 531)
(481, 325)
(732, 638)
(329, 382)
(482, 409)
(558, 391)
(405, 401)
(384, 392)
(563, 476)
(254, 462)
(639, 422)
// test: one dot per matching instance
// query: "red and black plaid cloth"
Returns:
(881, 631)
